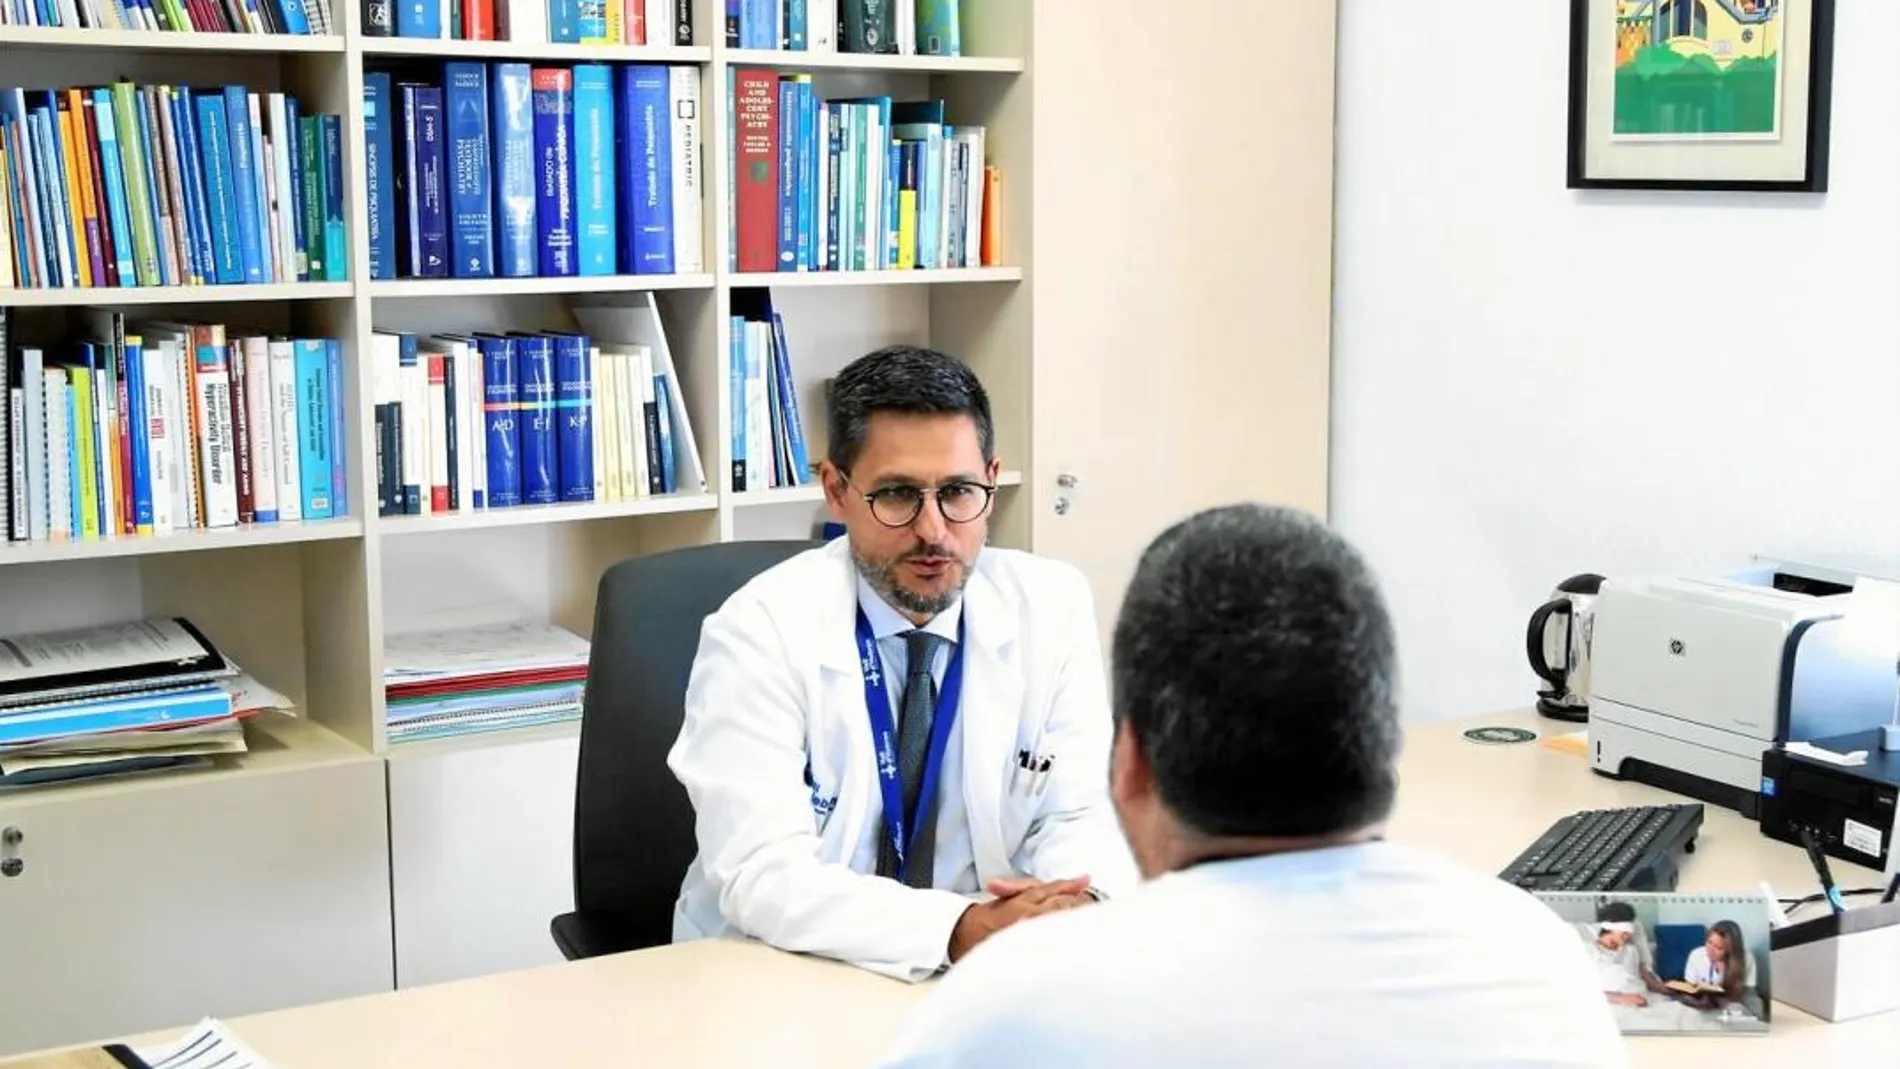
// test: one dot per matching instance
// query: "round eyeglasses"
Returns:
(900, 505)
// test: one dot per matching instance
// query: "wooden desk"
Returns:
(739, 1005)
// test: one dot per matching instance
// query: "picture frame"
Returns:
(1700, 94)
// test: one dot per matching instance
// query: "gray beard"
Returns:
(883, 579)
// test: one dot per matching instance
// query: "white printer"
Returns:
(1692, 679)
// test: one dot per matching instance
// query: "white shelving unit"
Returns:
(306, 606)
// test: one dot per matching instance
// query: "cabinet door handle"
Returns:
(10, 864)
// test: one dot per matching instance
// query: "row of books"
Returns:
(469, 422)
(584, 22)
(768, 434)
(118, 699)
(894, 27)
(161, 185)
(300, 17)
(488, 677)
(521, 171)
(862, 184)
(148, 428)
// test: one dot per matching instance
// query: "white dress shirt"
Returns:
(955, 861)
(1367, 955)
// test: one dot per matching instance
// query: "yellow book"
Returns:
(87, 490)
(906, 229)
(616, 24)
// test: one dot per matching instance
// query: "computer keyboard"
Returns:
(1632, 849)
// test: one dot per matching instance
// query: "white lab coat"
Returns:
(776, 690)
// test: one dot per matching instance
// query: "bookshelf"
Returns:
(305, 606)
(340, 864)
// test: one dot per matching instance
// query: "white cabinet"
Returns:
(481, 851)
(146, 904)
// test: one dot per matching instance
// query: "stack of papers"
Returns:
(486, 678)
(143, 696)
(208, 1046)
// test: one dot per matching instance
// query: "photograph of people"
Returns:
(1722, 961)
(1619, 953)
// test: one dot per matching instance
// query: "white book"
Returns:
(33, 379)
(469, 434)
(283, 416)
(597, 426)
(821, 26)
(760, 472)
(105, 404)
(640, 323)
(182, 401)
(217, 453)
(821, 233)
(688, 239)
(160, 427)
(261, 170)
(294, 265)
(633, 453)
(416, 432)
(15, 452)
(260, 428)
(59, 453)
(906, 28)
(607, 409)
(527, 21)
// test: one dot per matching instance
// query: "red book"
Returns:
(755, 125)
(478, 20)
(438, 432)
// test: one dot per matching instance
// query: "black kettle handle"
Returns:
(1534, 640)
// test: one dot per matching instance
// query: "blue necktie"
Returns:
(913, 743)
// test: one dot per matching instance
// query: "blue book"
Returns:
(312, 363)
(540, 455)
(379, 168)
(197, 200)
(501, 410)
(735, 383)
(646, 140)
(594, 168)
(512, 117)
(758, 24)
(298, 256)
(138, 421)
(237, 109)
(564, 21)
(808, 218)
(86, 717)
(419, 18)
(408, 360)
(788, 174)
(834, 155)
(109, 156)
(333, 416)
(554, 169)
(788, 401)
(336, 236)
(663, 402)
(796, 31)
(472, 227)
(432, 210)
(574, 413)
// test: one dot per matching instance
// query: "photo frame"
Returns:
(1700, 94)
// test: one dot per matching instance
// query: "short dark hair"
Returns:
(907, 379)
(1616, 913)
(1254, 660)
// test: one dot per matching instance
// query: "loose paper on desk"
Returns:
(208, 1045)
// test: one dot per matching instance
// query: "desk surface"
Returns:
(741, 1005)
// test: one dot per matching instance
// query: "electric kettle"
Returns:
(1558, 645)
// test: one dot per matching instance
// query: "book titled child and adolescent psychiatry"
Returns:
(149, 427)
(164, 185)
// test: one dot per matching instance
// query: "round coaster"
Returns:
(1500, 735)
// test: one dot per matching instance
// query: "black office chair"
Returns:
(633, 825)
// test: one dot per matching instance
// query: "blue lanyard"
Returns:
(899, 825)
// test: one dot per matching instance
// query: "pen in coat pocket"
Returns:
(1042, 775)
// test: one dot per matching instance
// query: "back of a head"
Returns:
(1254, 660)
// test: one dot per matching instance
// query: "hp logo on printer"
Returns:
(1675, 647)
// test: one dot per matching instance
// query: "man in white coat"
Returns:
(897, 744)
(1254, 766)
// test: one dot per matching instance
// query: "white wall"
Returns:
(1531, 382)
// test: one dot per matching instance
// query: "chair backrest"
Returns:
(633, 825)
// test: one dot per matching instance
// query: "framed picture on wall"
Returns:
(1700, 94)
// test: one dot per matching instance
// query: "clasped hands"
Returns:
(1014, 899)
